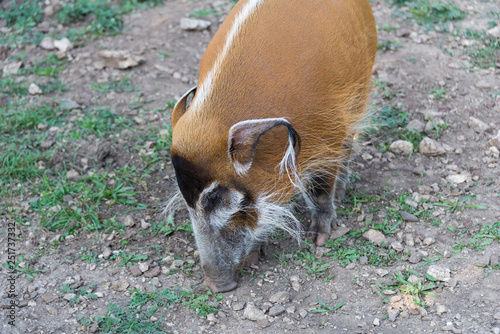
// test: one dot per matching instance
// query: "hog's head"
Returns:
(227, 173)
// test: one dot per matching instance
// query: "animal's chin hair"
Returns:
(273, 217)
(174, 202)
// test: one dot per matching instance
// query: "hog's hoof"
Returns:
(220, 287)
(322, 238)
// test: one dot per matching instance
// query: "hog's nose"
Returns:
(220, 285)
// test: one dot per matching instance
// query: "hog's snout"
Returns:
(220, 284)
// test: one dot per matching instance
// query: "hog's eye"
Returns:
(215, 199)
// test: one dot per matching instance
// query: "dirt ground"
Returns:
(425, 78)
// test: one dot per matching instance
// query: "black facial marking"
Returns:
(190, 178)
(215, 198)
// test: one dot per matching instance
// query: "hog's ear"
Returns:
(243, 139)
(181, 106)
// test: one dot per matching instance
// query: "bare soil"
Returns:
(469, 302)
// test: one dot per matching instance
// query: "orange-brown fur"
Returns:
(309, 62)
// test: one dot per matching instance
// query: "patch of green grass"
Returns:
(391, 117)
(127, 6)
(18, 118)
(163, 54)
(477, 242)
(102, 122)
(475, 245)
(325, 309)
(168, 227)
(128, 259)
(19, 160)
(389, 45)
(432, 13)
(458, 205)
(104, 17)
(12, 87)
(383, 89)
(48, 66)
(486, 52)
(204, 13)
(124, 85)
(437, 93)
(52, 85)
(69, 206)
(22, 267)
(491, 232)
(346, 250)
(135, 316)
(82, 292)
(386, 27)
(314, 267)
(22, 14)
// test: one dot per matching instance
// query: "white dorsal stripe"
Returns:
(203, 91)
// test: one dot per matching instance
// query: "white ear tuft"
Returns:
(244, 136)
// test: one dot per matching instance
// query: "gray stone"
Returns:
(339, 232)
(73, 175)
(478, 125)
(402, 147)
(408, 216)
(49, 298)
(280, 297)
(482, 261)
(441, 308)
(440, 273)
(428, 241)
(68, 104)
(495, 141)
(63, 45)
(143, 266)
(495, 32)
(374, 236)
(238, 306)
(106, 253)
(33, 89)
(212, 318)
(416, 257)
(120, 285)
(191, 24)
(69, 296)
(393, 314)
(47, 143)
(397, 246)
(135, 271)
(483, 84)
(416, 125)
(276, 310)
(430, 147)
(253, 313)
(294, 282)
(153, 272)
(12, 68)
(128, 221)
(456, 178)
(120, 59)
(47, 43)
